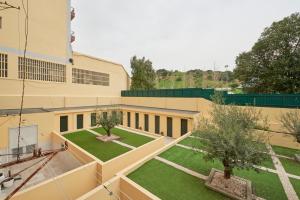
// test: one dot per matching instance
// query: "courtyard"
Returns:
(104, 151)
(183, 170)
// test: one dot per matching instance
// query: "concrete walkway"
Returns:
(283, 176)
(186, 170)
(115, 141)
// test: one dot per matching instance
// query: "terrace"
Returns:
(182, 170)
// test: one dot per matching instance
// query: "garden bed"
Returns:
(265, 184)
(285, 151)
(127, 137)
(235, 187)
(102, 150)
(291, 166)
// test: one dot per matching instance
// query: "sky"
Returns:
(174, 34)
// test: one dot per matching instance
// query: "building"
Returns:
(64, 88)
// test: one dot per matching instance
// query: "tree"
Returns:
(143, 74)
(229, 137)
(291, 121)
(108, 120)
(273, 64)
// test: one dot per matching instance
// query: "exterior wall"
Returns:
(176, 117)
(51, 42)
(75, 183)
(204, 107)
(44, 121)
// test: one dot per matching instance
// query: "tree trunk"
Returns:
(108, 133)
(298, 137)
(227, 169)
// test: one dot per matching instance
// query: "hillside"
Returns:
(194, 78)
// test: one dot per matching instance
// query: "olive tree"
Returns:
(291, 121)
(108, 120)
(229, 136)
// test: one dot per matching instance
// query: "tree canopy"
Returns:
(143, 74)
(273, 63)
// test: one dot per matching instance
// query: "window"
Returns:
(0, 22)
(104, 115)
(15, 152)
(3, 65)
(93, 119)
(41, 70)
(137, 121)
(121, 113)
(82, 76)
(184, 126)
(146, 122)
(157, 125)
(63, 123)
(128, 119)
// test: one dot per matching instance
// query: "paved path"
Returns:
(283, 176)
(186, 170)
(115, 141)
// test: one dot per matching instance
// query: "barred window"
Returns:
(82, 76)
(42, 71)
(3, 65)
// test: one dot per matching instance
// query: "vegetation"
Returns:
(291, 121)
(285, 151)
(108, 120)
(102, 150)
(230, 138)
(265, 184)
(296, 185)
(143, 74)
(273, 64)
(290, 166)
(127, 137)
(167, 79)
(169, 183)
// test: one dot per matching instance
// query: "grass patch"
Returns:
(296, 185)
(285, 151)
(266, 184)
(127, 137)
(290, 166)
(102, 150)
(197, 143)
(169, 183)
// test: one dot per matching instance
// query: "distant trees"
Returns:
(273, 63)
(229, 136)
(143, 74)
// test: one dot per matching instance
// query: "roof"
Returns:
(99, 59)
(6, 112)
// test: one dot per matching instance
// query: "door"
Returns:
(169, 126)
(184, 126)
(128, 119)
(63, 123)
(121, 113)
(28, 139)
(157, 125)
(80, 121)
(93, 119)
(146, 122)
(137, 120)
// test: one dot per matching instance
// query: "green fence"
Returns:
(262, 100)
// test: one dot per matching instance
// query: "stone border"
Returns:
(224, 192)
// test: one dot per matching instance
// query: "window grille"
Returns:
(82, 76)
(3, 65)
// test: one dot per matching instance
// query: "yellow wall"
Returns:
(45, 122)
(72, 184)
(49, 32)
(176, 117)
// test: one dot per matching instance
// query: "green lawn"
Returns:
(296, 185)
(102, 150)
(197, 143)
(290, 166)
(169, 183)
(127, 137)
(266, 184)
(285, 151)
